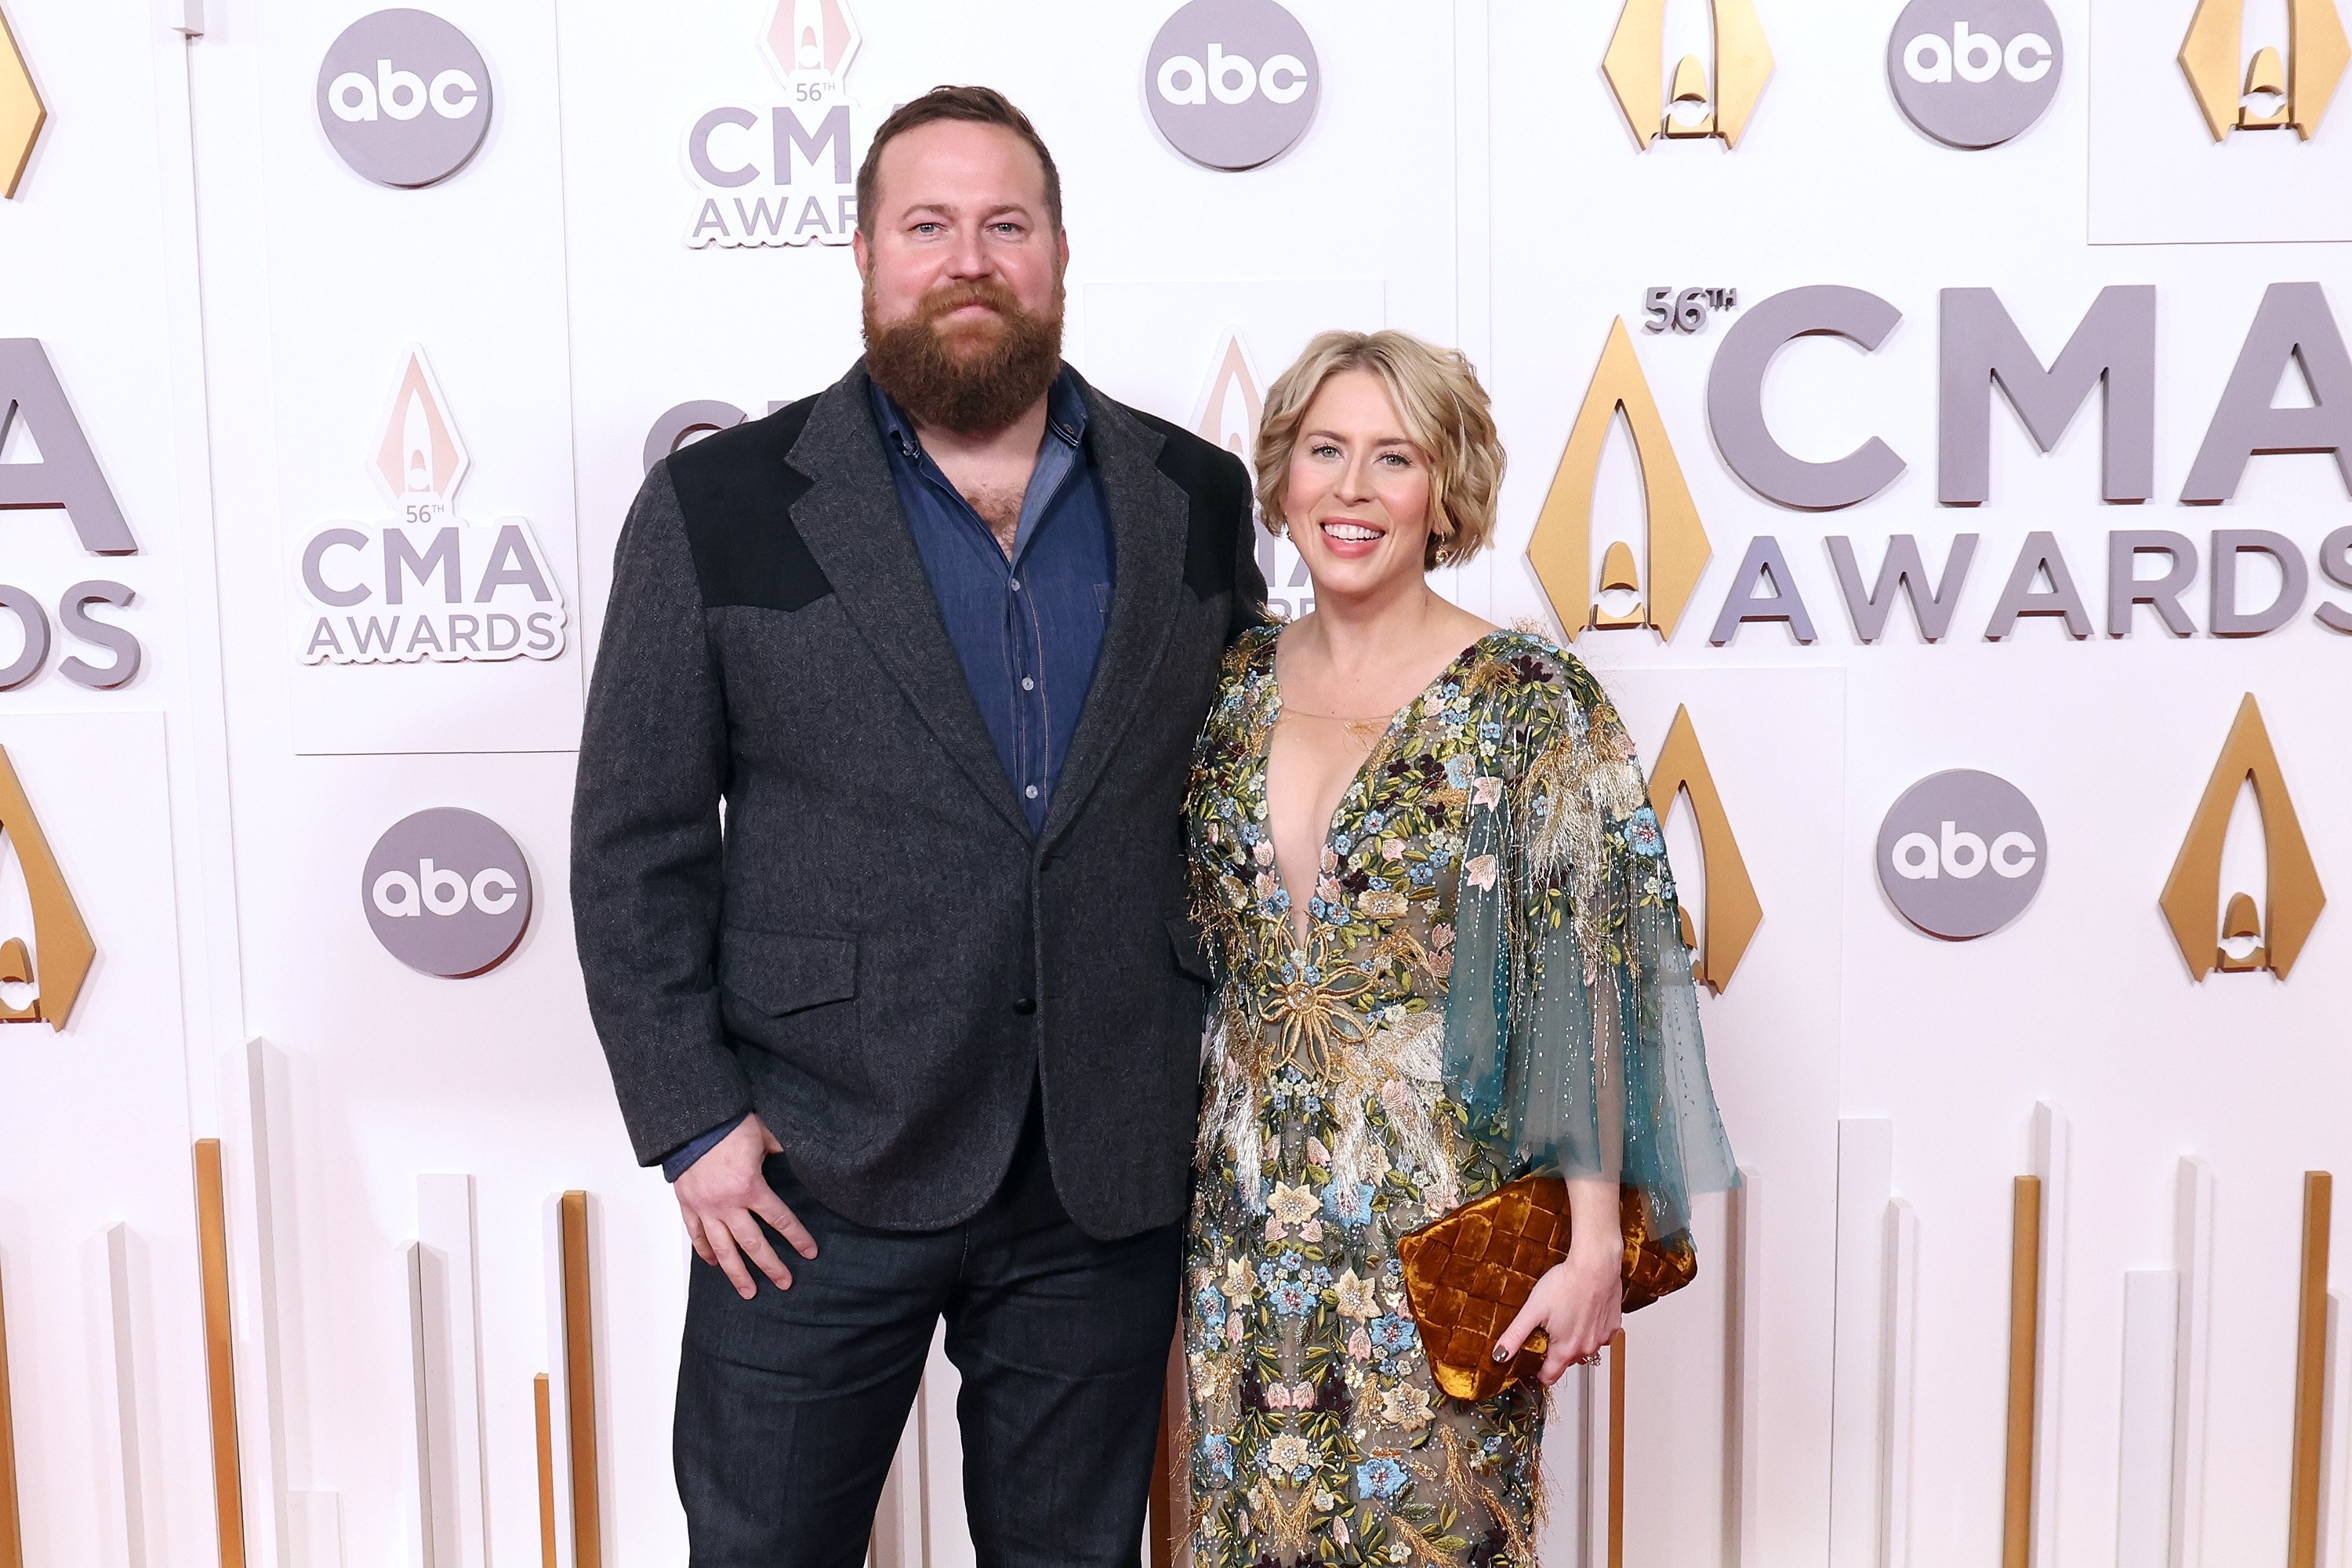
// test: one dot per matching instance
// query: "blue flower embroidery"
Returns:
(1217, 1454)
(1291, 1296)
(1381, 1478)
(1349, 1204)
(1209, 1305)
(1457, 773)
(1392, 1335)
(1642, 834)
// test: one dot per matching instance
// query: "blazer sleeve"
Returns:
(646, 849)
(1249, 581)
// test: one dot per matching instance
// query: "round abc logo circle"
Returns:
(404, 98)
(1961, 854)
(1974, 73)
(1231, 83)
(448, 892)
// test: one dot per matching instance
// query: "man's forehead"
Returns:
(956, 164)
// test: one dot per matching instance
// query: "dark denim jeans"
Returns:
(790, 1404)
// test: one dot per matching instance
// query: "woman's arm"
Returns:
(1577, 1305)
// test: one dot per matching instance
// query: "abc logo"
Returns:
(404, 98)
(448, 892)
(1974, 73)
(1961, 854)
(1231, 83)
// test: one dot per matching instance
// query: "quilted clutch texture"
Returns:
(1467, 1274)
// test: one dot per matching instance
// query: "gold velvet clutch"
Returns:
(1467, 1274)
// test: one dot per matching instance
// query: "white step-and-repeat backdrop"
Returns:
(1934, 420)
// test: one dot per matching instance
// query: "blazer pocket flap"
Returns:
(782, 972)
(1192, 954)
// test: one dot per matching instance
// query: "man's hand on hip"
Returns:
(724, 1195)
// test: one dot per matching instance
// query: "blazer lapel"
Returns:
(852, 524)
(1148, 516)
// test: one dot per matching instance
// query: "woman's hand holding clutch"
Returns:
(1578, 1305)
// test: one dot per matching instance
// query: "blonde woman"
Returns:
(1448, 955)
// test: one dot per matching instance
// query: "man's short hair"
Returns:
(976, 105)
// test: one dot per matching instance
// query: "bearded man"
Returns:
(915, 1028)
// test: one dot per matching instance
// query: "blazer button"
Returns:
(1024, 1006)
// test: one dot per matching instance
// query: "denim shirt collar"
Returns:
(1058, 456)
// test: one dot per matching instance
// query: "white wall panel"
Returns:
(227, 306)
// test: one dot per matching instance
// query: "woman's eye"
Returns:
(1324, 449)
(1396, 459)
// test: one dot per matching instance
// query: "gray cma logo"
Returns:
(1974, 73)
(404, 98)
(1231, 83)
(448, 892)
(1961, 854)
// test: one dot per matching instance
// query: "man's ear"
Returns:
(1062, 241)
(863, 253)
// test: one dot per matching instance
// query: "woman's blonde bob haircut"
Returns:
(1444, 411)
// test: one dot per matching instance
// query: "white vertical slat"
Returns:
(127, 1532)
(1744, 1406)
(1566, 1535)
(452, 1307)
(2193, 1258)
(1902, 1342)
(898, 1520)
(2151, 1360)
(1865, 1179)
(2052, 1137)
(1596, 1459)
(314, 1530)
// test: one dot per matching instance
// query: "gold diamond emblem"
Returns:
(22, 114)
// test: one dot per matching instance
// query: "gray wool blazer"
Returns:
(868, 947)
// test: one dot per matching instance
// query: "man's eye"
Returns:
(927, 228)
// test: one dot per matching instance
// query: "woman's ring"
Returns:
(1593, 1360)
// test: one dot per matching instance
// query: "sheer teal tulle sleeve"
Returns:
(1572, 1029)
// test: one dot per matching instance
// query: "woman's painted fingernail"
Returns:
(1500, 1353)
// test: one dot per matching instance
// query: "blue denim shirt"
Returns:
(1027, 630)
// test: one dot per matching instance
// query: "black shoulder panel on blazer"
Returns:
(736, 492)
(1219, 487)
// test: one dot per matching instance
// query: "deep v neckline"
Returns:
(1359, 782)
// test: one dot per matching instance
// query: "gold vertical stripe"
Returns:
(2310, 1375)
(12, 1525)
(220, 1352)
(2024, 1359)
(580, 1386)
(543, 1404)
(1617, 1449)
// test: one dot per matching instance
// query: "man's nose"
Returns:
(968, 257)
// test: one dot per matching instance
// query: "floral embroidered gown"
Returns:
(1494, 981)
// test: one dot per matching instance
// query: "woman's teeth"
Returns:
(1355, 531)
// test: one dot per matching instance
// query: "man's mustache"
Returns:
(950, 298)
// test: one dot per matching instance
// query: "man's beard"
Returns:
(970, 377)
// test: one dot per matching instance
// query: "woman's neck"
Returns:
(1364, 632)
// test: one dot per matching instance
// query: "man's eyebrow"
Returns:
(921, 210)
